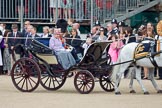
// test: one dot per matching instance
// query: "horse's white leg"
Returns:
(132, 74)
(138, 78)
(119, 75)
(131, 81)
(151, 77)
(117, 82)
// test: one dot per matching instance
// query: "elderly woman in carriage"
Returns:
(64, 56)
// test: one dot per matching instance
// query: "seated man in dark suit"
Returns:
(32, 35)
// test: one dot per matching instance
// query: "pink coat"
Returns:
(114, 50)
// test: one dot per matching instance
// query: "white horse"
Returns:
(127, 54)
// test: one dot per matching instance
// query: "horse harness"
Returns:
(142, 51)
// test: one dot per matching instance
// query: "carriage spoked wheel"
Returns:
(25, 75)
(84, 82)
(52, 82)
(105, 83)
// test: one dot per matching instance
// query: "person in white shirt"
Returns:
(46, 32)
(87, 44)
(5, 50)
(3, 28)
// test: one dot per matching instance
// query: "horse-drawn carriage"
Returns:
(41, 66)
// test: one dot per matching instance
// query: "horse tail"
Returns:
(116, 69)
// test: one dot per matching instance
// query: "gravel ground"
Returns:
(68, 97)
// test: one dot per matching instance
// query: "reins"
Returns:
(134, 60)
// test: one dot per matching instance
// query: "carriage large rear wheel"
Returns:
(52, 82)
(25, 75)
(84, 82)
(106, 83)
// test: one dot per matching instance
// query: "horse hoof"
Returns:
(159, 91)
(146, 93)
(117, 93)
(132, 91)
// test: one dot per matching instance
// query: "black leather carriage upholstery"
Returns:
(94, 53)
(40, 48)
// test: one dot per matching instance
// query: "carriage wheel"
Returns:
(52, 82)
(106, 84)
(25, 75)
(84, 82)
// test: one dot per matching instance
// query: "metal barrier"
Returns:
(46, 9)
(51, 10)
(126, 5)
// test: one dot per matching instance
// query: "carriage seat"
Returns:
(43, 52)
(40, 48)
(44, 41)
(94, 54)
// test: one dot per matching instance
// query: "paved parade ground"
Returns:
(68, 97)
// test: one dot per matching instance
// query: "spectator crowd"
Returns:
(66, 40)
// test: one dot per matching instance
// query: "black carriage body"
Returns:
(95, 63)
(97, 60)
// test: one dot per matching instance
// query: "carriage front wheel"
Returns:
(84, 82)
(25, 75)
(52, 82)
(106, 83)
